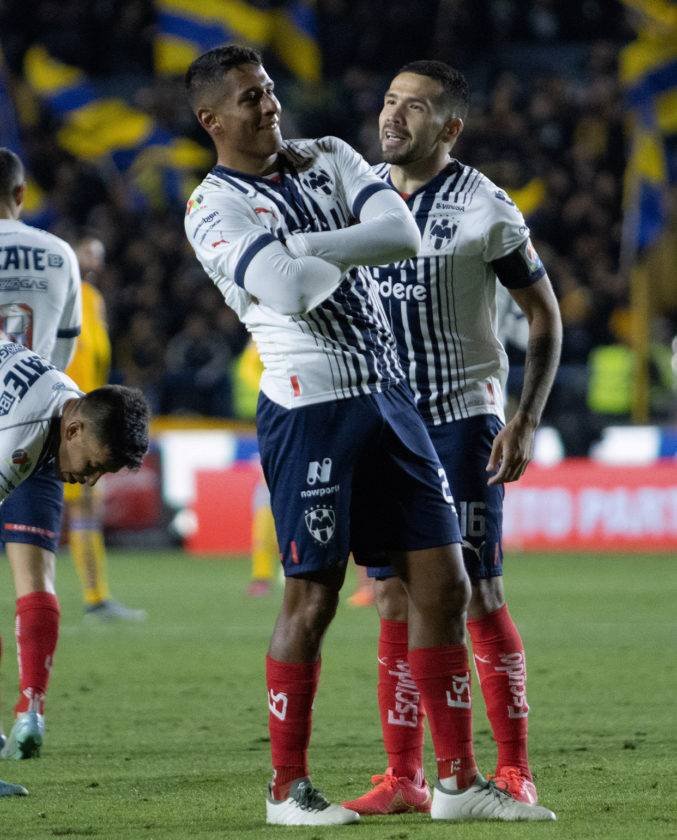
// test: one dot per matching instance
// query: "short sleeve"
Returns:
(226, 236)
(354, 173)
(504, 226)
(71, 315)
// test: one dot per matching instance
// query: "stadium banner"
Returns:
(577, 504)
(581, 504)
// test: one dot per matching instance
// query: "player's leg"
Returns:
(88, 550)
(310, 498)
(30, 520)
(265, 553)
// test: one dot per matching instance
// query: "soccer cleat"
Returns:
(25, 739)
(483, 801)
(363, 596)
(392, 795)
(259, 588)
(513, 781)
(306, 805)
(114, 611)
(8, 789)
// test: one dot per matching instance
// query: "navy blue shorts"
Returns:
(32, 513)
(359, 475)
(464, 447)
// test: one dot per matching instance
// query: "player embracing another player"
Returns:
(442, 306)
(285, 229)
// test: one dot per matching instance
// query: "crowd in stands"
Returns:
(546, 124)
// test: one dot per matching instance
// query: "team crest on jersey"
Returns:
(318, 180)
(321, 523)
(441, 233)
(7, 400)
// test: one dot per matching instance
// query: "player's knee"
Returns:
(391, 599)
(487, 597)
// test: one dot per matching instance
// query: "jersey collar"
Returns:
(433, 184)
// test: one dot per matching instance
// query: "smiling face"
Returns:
(414, 123)
(243, 119)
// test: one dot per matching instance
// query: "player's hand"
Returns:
(512, 450)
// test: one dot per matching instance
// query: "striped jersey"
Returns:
(32, 396)
(40, 297)
(342, 348)
(442, 303)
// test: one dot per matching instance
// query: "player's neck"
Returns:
(7, 212)
(412, 176)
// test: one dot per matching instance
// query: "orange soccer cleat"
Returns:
(512, 780)
(393, 795)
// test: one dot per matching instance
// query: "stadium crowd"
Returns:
(546, 124)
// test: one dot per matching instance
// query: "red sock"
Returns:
(443, 679)
(501, 668)
(291, 691)
(399, 702)
(37, 632)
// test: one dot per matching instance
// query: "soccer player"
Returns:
(90, 367)
(50, 433)
(443, 308)
(284, 229)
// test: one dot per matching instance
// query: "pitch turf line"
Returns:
(158, 731)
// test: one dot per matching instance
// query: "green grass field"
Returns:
(159, 731)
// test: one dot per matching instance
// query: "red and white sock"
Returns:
(399, 703)
(443, 678)
(501, 668)
(37, 633)
(291, 691)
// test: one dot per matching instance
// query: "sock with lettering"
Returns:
(291, 691)
(443, 678)
(399, 702)
(501, 668)
(37, 632)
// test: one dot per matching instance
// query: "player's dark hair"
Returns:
(11, 172)
(208, 70)
(455, 87)
(119, 416)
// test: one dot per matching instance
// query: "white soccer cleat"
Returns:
(306, 805)
(25, 739)
(483, 801)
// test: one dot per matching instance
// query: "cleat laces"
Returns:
(309, 798)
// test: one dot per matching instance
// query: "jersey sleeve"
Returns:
(70, 323)
(357, 178)
(504, 226)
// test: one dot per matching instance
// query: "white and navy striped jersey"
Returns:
(40, 295)
(342, 348)
(32, 396)
(442, 304)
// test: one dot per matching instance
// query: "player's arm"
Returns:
(386, 231)
(70, 322)
(235, 248)
(525, 278)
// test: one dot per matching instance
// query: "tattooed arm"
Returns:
(514, 445)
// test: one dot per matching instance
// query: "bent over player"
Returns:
(283, 229)
(40, 308)
(443, 308)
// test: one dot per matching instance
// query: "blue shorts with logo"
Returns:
(32, 513)
(357, 474)
(464, 447)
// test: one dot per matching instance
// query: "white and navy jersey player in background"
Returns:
(40, 308)
(278, 226)
(443, 308)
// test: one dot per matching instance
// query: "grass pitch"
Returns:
(158, 731)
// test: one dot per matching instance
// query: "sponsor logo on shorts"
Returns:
(319, 471)
(277, 703)
(321, 523)
(320, 491)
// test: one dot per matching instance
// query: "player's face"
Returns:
(412, 121)
(245, 122)
(82, 458)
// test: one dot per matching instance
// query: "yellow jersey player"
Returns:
(90, 367)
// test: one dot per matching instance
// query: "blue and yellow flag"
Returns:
(648, 73)
(187, 28)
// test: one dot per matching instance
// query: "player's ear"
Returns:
(452, 129)
(73, 428)
(19, 194)
(208, 120)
